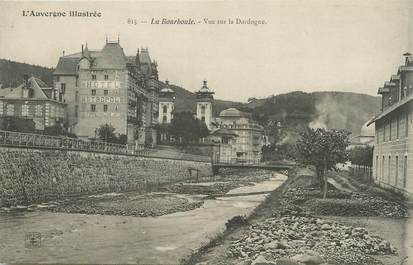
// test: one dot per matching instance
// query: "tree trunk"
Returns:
(320, 178)
(325, 179)
(325, 185)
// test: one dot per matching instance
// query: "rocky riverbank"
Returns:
(130, 204)
(293, 226)
(123, 204)
(299, 238)
(227, 180)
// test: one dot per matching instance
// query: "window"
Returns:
(76, 95)
(165, 109)
(382, 169)
(407, 124)
(116, 107)
(384, 132)
(93, 108)
(405, 171)
(105, 108)
(25, 110)
(389, 170)
(76, 110)
(390, 130)
(203, 118)
(377, 167)
(39, 110)
(105, 92)
(164, 119)
(93, 77)
(106, 77)
(397, 127)
(57, 78)
(93, 92)
(396, 171)
(10, 109)
(62, 88)
(203, 110)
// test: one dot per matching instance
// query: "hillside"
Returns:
(186, 100)
(11, 73)
(334, 110)
(296, 110)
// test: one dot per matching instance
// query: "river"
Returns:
(80, 238)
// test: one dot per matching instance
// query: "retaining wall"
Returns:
(32, 176)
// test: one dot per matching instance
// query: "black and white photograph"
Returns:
(268, 132)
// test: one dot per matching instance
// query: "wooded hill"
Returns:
(296, 110)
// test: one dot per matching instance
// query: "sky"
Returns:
(307, 45)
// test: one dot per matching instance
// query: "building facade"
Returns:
(247, 137)
(107, 87)
(204, 99)
(35, 101)
(166, 104)
(393, 148)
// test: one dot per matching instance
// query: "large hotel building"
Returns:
(107, 87)
(393, 148)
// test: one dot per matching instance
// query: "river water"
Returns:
(80, 238)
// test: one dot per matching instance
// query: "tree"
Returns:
(323, 149)
(184, 126)
(106, 132)
(361, 156)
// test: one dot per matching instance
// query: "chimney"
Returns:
(25, 93)
(406, 55)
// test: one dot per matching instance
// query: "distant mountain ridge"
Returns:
(340, 110)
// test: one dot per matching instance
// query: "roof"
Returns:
(388, 83)
(144, 56)
(41, 83)
(37, 90)
(167, 89)
(392, 108)
(66, 66)
(223, 131)
(111, 56)
(233, 112)
(367, 130)
(5, 91)
(395, 77)
(405, 68)
(383, 90)
(205, 88)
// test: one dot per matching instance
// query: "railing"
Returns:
(18, 139)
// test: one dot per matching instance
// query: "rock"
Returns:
(261, 260)
(310, 258)
(325, 227)
(283, 244)
(284, 261)
(271, 245)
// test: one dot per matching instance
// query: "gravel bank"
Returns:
(289, 236)
(155, 204)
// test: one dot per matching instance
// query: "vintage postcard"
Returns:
(206, 132)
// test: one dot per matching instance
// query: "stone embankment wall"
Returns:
(32, 176)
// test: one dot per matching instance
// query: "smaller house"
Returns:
(32, 100)
(241, 137)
